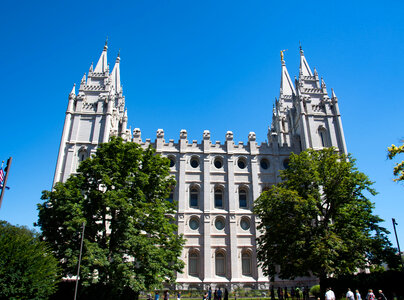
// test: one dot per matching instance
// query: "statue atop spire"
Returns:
(282, 54)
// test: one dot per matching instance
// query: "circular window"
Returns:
(245, 224)
(172, 161)
(264, 164)
(286, 163)
(194, 162)
(219, 224)
(218, 163)
(241, 163)
(194, 223)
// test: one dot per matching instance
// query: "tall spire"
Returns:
(304, 66)
(287, 88)
(116, 75)
(102, 64)
(73, 92)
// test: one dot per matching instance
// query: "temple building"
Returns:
(217, 183)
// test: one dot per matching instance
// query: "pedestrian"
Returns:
(226, 294)
(285, 294)
(166, 295)
(156, 296)
(329, 295)
(349, 295)
(279, 292)
(381, 296)
(179, 295)
(210, 293)
(215, 295)
(292, 292)
(272, 293)
(370, 295)
(205, 296)
(357, 295)
(219, 294)
(297, 292)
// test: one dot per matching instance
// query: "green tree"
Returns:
(130, 239)
(399, 167)
(319, 219)
(28, 270)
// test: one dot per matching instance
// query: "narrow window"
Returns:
(218, 198)
(246, 263)
(193, 197)
(171, 196)
(193, 263)
(220, 264)
(242, 198)
(322, 132)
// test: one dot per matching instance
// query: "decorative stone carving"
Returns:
(160, 133)
(183, 134)
(252, 137)
(206, 135)
(229, 136)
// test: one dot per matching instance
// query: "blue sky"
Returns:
(199, 65)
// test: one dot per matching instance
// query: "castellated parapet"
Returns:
(217, 182)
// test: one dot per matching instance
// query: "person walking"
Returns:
(357, 295)
(329, 295)
(166, 295)
(179, 295)
(285, 294)
(370, 295)
(210, 293)
(381, 296)
(226, 294)
(349, 295)
(219, 294)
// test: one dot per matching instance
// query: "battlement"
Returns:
(207, 146)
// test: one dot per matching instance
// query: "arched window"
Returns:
(193, 262)
(171, 196)
(242, 198)
(218, 198)
(322, 132)
(246, 263)
(82, 153)
(193, 197)
(220, 263)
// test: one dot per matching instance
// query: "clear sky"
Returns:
(199, 65)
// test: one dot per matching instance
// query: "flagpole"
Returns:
(5, 179)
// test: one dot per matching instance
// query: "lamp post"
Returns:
(398, 244)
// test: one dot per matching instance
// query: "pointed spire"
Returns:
(287, 88)
(91, 68)
(323, 83)
(333, 96)
(304, 66)
(83, 80)
(73, 92)
(102, 64)
(116, 75)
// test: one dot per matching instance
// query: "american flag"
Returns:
(1, 177)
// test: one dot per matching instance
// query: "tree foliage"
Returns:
(130, 236)
(399, 167)
(319, 219)
(28, 270)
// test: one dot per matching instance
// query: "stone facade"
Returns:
(216, 182)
